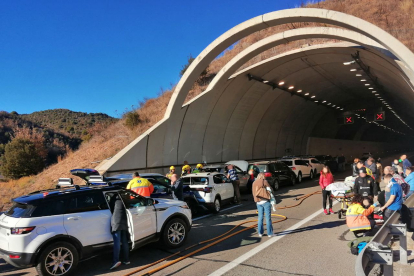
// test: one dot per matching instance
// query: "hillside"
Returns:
(394, 16)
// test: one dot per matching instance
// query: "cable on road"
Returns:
(214, 240)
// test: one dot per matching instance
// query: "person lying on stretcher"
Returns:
(358, 218)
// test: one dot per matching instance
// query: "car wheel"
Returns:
(217, 205)
(311, 175)
(276, 184)
(59, 258)
(175, 233)
(315, 172)
(293, 180)
(300, 177)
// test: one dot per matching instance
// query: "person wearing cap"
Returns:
(198, 169)
(405, 163)
(140, 185)
(172, 171)
(232, 175)
(365, 184)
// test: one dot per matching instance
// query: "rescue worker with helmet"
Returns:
(140, 185)
(186, 170)
(364, 184)
(198, 169)
(172, 171)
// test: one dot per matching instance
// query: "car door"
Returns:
(305, 167)
(88, 218)
(227, 187)
(316, 164)
(143, 215)
(283, 172)
(242, 175)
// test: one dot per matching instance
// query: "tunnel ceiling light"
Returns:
(349, 62)
(376, 94)
(363, 80)
(323, 101)
(316, 101)
(370, 88)
(333, 105)
(291, 87)
(329, 103)
(300, 91)
(342, 109)
(306, 94)
(353, 70)
(281, 83)
(367, 84)
(265, 81)
(313, 97)
(358, 75)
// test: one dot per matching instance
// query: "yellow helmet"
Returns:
(199, 166)
(172, 168)
(186, 167)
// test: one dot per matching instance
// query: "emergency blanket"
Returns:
(339, 188)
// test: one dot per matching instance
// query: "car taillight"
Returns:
(14, 256)
(207, 190)
(293, 168)
(22, 230)
(268, 174)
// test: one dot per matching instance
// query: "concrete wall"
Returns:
(351, 149)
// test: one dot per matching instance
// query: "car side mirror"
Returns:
(150, 202)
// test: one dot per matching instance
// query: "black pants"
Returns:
(326, 194)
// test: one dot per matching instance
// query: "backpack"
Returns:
(358, 244)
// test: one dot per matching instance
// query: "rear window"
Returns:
(288, 163)
(262, 168)
(19, 210)
(199, 180)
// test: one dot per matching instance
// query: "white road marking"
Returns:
(209, 215)
(264, 245)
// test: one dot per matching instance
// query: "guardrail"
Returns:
(370, 256)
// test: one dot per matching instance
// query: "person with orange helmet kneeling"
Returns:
(140, 185)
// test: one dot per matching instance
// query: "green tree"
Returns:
(21, 158)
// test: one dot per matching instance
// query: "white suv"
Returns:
(54, 229)
(317, 166)
(300, 167)
(211, 189)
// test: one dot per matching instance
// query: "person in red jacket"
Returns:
(325, 179)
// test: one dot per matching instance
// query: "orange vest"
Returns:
(141, 186)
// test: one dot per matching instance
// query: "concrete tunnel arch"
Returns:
(161, 144)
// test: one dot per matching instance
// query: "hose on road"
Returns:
(214, 240)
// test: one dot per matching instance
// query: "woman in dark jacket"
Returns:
(119, 231)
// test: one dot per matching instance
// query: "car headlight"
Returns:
(185, 206)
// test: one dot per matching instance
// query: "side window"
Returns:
(238, 170)
(224, 179)
(186, 181)
(314, 161)
(163, 180)
(86, 203)
(283, 166)
(51, 208)
(131, 199)
(272, 167)
(217, 179)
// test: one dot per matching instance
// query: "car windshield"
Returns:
(288, 163)
(19, 210)
(262, 168)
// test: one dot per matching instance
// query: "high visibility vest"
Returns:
(356, 217)
(141, 186)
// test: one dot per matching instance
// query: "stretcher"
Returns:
(342, 191)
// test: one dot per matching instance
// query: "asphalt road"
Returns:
(307, 243)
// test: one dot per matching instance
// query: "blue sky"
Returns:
(106, 56)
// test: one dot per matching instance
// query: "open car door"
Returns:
(84, 173)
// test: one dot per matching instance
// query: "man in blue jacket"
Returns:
(405, 163)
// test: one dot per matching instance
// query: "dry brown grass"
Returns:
(394, 16)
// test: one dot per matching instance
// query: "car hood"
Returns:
(243, 165)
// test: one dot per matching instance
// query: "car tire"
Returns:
(216, 205)
(58, 253)
(300, 177)
(293, 180)
(311, 175)
(276, 184)
(175, 233)
(315, 172)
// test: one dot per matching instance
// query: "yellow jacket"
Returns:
(141, 186)
(356, 217)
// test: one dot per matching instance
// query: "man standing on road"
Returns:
(405, 162)
(119, 231)
(232, 175)
(140, 185)
(364, 184)
(393, 197)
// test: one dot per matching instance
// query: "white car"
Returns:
(54, 229)
(211, 189)
(300, 167)
(315, 163)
